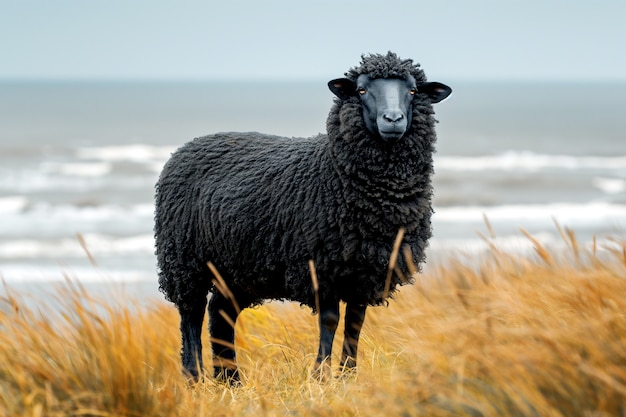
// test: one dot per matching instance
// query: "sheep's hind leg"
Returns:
(355, 315)
(222, 318)
(191, 331)
(328, 320)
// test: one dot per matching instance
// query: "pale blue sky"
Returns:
(291, 39)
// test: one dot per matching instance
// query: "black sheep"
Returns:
(260, 207)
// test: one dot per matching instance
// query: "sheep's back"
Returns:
(249, 203)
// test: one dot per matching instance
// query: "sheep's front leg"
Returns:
(355, 315)
(222, 319)
(191, 330)
(329, 319)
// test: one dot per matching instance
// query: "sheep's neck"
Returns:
(382, 185)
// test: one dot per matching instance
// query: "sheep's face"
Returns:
(387, 102)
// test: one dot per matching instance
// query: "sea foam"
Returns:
(528, 161)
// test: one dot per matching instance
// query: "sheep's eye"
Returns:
(360, 90)
(413, 91)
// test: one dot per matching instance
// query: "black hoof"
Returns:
(348, 373)
(229, 376)
(322, 372)
(191, 376)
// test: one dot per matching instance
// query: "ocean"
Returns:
(79, 160)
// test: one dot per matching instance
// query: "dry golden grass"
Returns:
(542, 335)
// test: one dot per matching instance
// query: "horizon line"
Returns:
(255, 80)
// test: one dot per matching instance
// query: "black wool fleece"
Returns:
(260, 207)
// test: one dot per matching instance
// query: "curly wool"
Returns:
(260, 207)
(386, 66)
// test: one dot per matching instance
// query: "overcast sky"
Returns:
(313, 39)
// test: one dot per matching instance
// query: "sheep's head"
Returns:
(387, 88)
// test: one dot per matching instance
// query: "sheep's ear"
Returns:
(342, 88)
(435, 91)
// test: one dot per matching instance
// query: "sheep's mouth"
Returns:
(391, 135)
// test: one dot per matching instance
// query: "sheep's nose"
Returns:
(393, 116)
